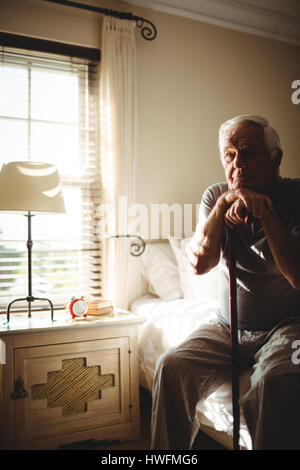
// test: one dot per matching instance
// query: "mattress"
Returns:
(167, 324)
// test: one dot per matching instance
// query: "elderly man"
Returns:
(265, 211)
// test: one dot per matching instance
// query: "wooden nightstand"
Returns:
(70, 380)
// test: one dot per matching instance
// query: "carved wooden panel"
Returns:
(72, 387)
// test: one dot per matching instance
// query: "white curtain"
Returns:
(118, 122)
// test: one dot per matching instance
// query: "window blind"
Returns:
(49, 112)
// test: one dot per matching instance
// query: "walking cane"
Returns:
(234, 337)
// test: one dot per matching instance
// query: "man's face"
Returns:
(246, 159)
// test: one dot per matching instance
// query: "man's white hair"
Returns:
(271, 136)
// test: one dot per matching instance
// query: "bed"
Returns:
(176, 303)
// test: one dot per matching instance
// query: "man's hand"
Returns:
(245, 201)
(255, 203)
(193, 252)
(236, 214)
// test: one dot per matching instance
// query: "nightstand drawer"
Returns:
(71, 387)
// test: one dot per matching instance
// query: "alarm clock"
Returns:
(77, 307)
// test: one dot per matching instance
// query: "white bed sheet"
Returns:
(168, 324)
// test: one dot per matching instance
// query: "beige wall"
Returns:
(192, 77)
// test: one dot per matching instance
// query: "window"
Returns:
(49, 113)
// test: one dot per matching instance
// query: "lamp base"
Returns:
(29, 299)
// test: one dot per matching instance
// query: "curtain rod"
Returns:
(148, 31)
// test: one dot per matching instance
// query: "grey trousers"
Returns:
(196, 368)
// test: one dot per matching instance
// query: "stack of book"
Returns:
(99, 307)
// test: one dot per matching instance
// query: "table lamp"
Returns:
(30, 187)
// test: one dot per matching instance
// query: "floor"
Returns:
(202, 441)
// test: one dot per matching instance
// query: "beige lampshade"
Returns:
(30, 186)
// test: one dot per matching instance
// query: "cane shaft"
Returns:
(234, 337)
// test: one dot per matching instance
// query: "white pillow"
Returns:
(159, 268)
(204, 286)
